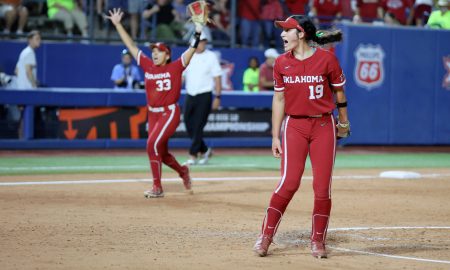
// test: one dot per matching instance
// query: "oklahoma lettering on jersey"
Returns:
(162, 83)
(302, 79)
(307, 84)
(150, 76)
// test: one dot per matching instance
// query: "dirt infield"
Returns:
(112, 226)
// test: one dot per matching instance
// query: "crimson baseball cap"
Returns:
(161, 46)
(289, 23)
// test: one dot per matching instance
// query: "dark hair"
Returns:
(32, 34)
(320, 37)
(253, 58)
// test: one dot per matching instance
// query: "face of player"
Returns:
(35, 41)
(291, 39)
(159, 57)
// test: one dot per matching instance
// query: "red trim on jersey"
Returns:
(138, 58)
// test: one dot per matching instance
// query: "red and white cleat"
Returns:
(318, 249)
(261, 246)
(185, 175)
(155, 192)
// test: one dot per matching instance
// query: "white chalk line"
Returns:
(200, 179)
(389, 255)
(119, 167)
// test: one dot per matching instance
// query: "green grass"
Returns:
(139, 163)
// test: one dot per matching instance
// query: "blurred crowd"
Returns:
(167, 20)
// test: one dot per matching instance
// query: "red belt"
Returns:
(310, 116)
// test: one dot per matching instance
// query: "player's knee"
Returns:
(151, 146)
(289, 191)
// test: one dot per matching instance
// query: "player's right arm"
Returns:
(277, 119)
(115, 16)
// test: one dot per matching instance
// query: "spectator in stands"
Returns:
(368, 11)
(26, 67)
(266, 70)
(440, 18)
(399, 10)
(10, 10)
(390, 19)
(221, 17)
(167, 27)
(326, 12)
(202, 77)
(180, 9)
(249, 25)
(134, 9)
(296, 7)
(422, 11)
(250, 79)
(271, 10)
(70, 14)
(126, 75)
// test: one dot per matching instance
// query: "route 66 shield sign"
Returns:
(369, 70)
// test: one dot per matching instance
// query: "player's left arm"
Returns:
(340, 98)
(337, 82)
(343, 125)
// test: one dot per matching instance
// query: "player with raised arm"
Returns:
(308, 84)
(163, 80)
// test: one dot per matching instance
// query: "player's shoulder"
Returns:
(283, 57)
(326, 54)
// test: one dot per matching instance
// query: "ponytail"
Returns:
(323, 37)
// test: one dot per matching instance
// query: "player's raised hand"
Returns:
(276, 148)
(198, 27)
(115, 16)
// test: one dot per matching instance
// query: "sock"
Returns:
(171, 161)
(156, 172)
(320, 218)
(274, 213)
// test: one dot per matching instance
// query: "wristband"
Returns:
(196, 40)
(341, 105)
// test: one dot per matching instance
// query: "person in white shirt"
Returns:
(202, 76)
(26, 67)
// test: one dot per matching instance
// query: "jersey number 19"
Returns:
(315, 92)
